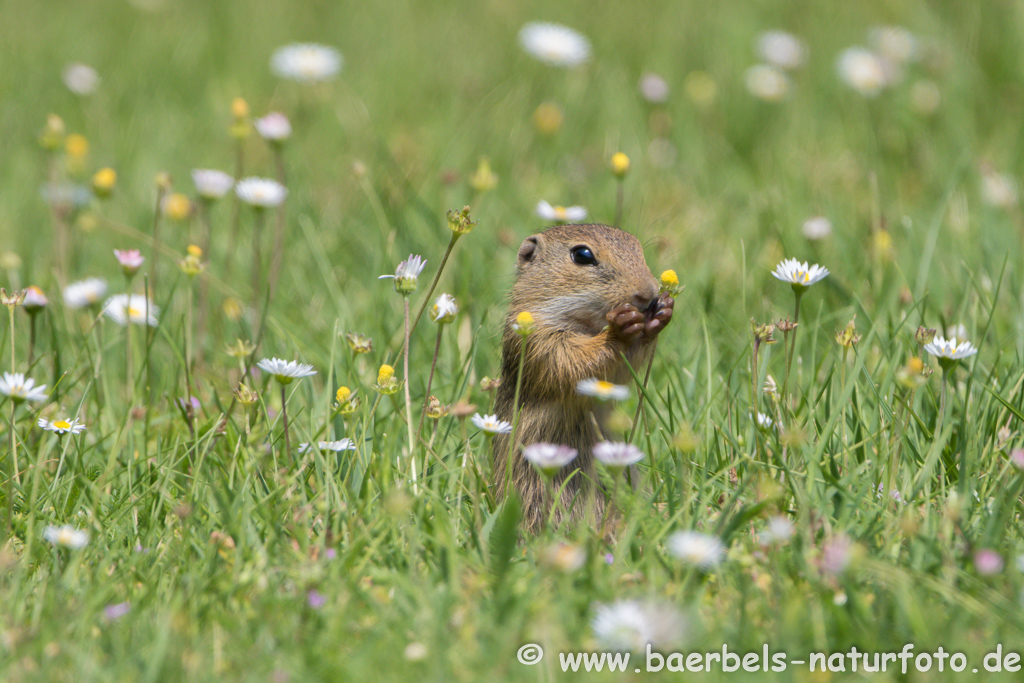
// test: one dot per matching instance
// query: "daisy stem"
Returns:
(284, 419)
(798, 292)
(430, 379)
(942, 403)
(433, 285)
(31, 338)
(408, 399)
(10, 310)
(236, 205)
(129, 384)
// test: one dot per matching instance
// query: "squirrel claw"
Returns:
(627, 323)
(662, 316)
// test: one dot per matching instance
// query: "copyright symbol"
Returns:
(530, 654)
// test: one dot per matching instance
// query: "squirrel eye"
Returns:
(582, 256)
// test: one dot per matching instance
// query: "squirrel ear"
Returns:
(528, 249)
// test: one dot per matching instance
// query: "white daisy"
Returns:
(261, 193)
(950, 349)
(212, 184)
(895, 43)
(407, 274)
(632, 625)
(131, 308)
(767, 82)
(863, 70)
(80, 79)
(491, 424)
(817, 228)
(85, 292)
(335, 446)
(444, 309)
(549, 457)
(20, 388)
(799, 274)
(617, 454)
(560, 214)
(701, 550)
(778, 530)
(654, 88)
(62, 427)
(781, 49)
(35, 299)
(554, 44)
(285, 371)
(602, 390)
(67, 536)
(764, 422)
(306, 62)
(274, 127)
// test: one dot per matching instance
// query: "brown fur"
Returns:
(586, 317)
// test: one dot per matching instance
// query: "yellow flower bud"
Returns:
(547, 118)
(232, 309)
(177, 206)
(239, 108)
(669, 279)
(162, 181)
(194, 250)
(52, 136)
(385, 374)
(103, 182)
(342, 395)
(76, 146)
(524, 323)
(620, 165)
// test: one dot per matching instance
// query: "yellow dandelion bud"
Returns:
(620, 165)
(239, 108)
(232, 309)
(176, 206)
(524, 323)
(103, 182)
(548, 118)
(76, 146)
(52, 136)
(343, 394)
(194, 250)
(385, 374)
(483, 179)
(669, 279)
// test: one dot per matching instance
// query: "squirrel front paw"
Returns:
(626, 323)
(658, 315)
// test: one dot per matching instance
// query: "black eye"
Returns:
(582, 256)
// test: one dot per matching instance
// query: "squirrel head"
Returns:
(572, 275)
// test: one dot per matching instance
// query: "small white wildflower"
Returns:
(799, 274)
(602, 390)
(407, 274)
(334, 446)
(560, 214)
(285, 371)
(701, 550)
(212, 184)
(817, 228)
(632, 625)
(950, 349)
(61, 427)
(274, 127)
(491, 424)
(85, 292)
(67, 536)
(19, 388)
(80, 79)
(654, 88)
(895, 43)
(306, 62)
(549, 458)
(767, 82)
(131, 308)
(444, 309)
(617, 454)
(781, 49)
(261, 193)
(864, 71)
(998, 189)
(554, 44)
(778, 530)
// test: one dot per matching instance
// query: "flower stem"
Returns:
(515, 415)
(798, 292)
(10, 310)
(278, 256)
(156, 235)
(408, 399)
(31, 338)
(430, 379)
(257, 257)
(643, 393)
(618, 205)
(284, 419)
(433, 285)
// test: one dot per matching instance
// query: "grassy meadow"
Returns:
(875, 504)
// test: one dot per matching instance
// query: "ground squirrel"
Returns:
(593, 299)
